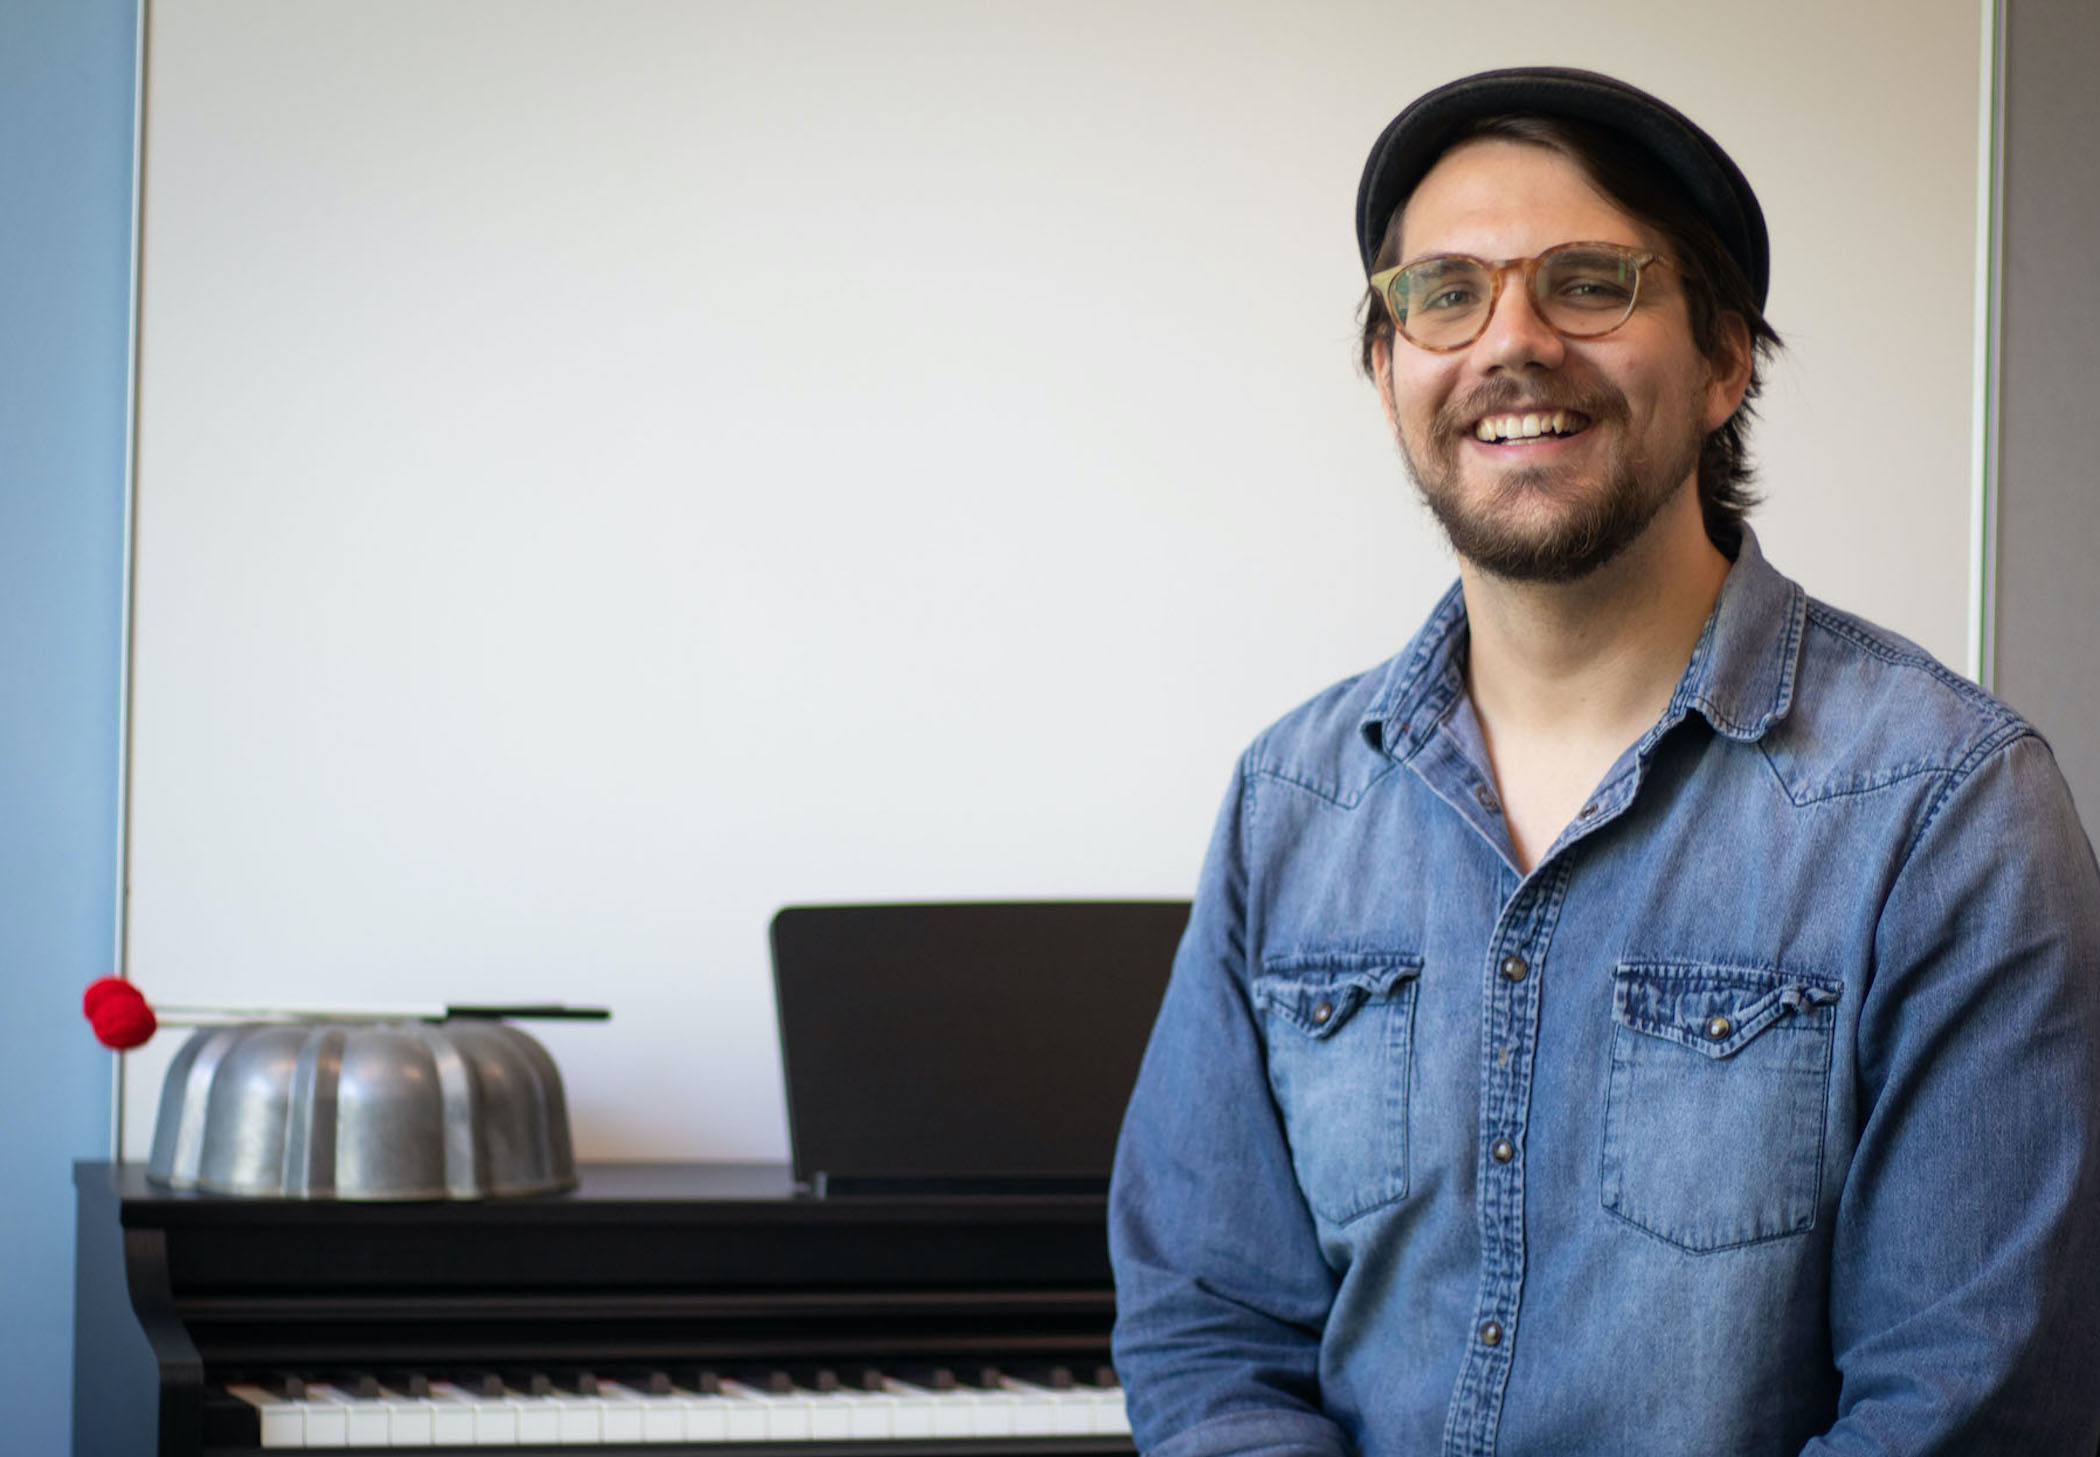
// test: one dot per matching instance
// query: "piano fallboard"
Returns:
(670, 1272)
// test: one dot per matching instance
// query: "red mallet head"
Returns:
(101, 989)
(118, 1012)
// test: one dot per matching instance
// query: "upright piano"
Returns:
(658, 1308)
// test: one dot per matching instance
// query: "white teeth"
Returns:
(1527, 427)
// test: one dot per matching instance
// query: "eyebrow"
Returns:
(1437, 264)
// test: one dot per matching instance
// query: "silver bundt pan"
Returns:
(464, 1109)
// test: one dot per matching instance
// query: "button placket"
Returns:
(1510, 1035)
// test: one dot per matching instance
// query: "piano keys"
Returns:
(654, 1409)
(659, 1308)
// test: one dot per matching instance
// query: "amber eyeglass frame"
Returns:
(1385, 280)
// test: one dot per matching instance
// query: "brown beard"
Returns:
(1599, 524)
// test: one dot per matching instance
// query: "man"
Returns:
(1655, 1012)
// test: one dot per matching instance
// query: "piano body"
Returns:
(658, 1308)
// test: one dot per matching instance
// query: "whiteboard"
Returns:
(608, 471)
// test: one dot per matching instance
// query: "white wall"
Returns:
(609, 470)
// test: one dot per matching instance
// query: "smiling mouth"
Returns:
(1546, 425)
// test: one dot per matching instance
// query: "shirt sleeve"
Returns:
(1221, 1290)
(1965, 1279)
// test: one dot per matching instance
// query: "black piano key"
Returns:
(1105, 1378)
(932, 1378)
(769, 1379)
(287, 1385)
(1057, 1378)
(361, 1385)
(813, 1378)
(480, 1383)
(699, 1379)
(577, 1383)
(658, 1383)
(865, 1378)
(984, 1378)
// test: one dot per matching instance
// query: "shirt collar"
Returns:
(1740, 678)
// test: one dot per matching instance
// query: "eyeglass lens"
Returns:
(1442, 303)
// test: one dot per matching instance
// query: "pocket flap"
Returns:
(1319, 992)
(1714, 1010)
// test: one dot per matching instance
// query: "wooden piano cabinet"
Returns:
(644, 1267)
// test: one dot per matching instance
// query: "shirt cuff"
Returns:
(1258, 1432)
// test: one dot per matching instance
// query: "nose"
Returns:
(1516, 337)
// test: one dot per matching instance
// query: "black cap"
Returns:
(1410, 146)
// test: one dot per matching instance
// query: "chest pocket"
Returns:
(1339, 1027)
(1713, 1125)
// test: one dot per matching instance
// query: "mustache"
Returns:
(1502, 395)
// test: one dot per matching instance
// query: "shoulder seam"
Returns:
(1321, 791)
(2011, 731)
(1840, 625)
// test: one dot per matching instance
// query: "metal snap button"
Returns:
(1502, 1150)
(1486, 796)
(1589, 809)
(1322, 1012)
(1491, 1333)
(1718, 1028)
(1513, 968)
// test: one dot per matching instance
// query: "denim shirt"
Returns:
(1759, 1117)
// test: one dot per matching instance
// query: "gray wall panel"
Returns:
(2048, 590)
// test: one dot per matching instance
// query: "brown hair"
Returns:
(1714, 287)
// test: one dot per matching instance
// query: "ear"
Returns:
(1729, 368)
(1382, 371)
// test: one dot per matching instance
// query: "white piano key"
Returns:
(991, 1413)
(873, 1415)
(1034, 1407)
(283, 1424)
(620, 1411)
(495, 1420)
(664, 1420)
(579, 1420)
(370, 1422)
(707, 1416)
(539, 1419)
(786, 1415)
(634, 1415)
(327, 1419)
(1111, 1417)
(745, 1417)
(912, 1409)
(1071, 1407)
(954, 1414)
(830, 1415)
(787, 1418)
(411, 1420)
(952, 1411)
(451, 1416)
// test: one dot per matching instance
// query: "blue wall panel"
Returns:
(66, 69)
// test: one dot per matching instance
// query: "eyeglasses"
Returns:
(1583, 290)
